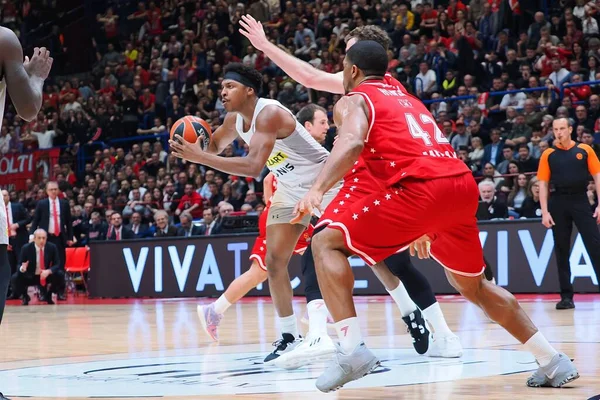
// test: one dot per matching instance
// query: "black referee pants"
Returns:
(565, 210)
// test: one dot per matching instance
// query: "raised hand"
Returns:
(254, 31)
(40, 63)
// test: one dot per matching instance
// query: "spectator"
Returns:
(163, 228)
(190, 202)
(224, 210)
(118, 231)
(520, 132)
(98, 228)
(188, 228)
(513, 99)
(209, 222)
(531, 207)
(517, 196)
(490, 173)
(588, 138)
(527, 163)
(136, 226)
(494, 208)
(426, 81)
(461, 138)
(493, 152)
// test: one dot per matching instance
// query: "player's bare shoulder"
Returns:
(347, 105)
(274, 119)
(9, 45)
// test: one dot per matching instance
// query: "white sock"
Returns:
(403, 300)
(348, 331)
(540, 348)
(222, 304)
(317, 318)
(289, 325)
(434, 315)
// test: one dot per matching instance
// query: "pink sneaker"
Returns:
(210, 320)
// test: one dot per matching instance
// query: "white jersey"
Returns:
(297, 160)
(3, 217)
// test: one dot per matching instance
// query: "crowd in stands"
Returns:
(157, 61)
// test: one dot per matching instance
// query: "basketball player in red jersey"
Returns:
(415, 287)
(417, 171)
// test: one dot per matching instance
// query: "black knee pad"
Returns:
(309, 272)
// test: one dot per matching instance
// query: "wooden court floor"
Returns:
(155, 348)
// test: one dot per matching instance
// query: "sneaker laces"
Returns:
(280, 345)
(414, 329)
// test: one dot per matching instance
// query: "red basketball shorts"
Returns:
(358, 183)
(259, 250)
(378, 224)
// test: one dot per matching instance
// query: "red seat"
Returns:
(77, 263)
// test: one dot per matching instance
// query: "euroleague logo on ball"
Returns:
(190, 128)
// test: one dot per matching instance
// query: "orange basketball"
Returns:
(190, 127)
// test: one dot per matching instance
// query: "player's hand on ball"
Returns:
(312, 200)
(40, 63)
(186, 150)
(420, 247)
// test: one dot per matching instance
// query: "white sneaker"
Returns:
(284, 345)
(309, 351)
(445, 347)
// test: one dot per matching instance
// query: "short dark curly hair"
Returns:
(370, 32)
(250, 74)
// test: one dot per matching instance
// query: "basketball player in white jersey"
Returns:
(314, 119)
(275, 139)
(445, 342)
(24, 82)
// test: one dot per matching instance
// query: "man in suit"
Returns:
(188, 228)
(224, 210)
(53, 215)
(492, 153)
(163, 228)
(118, 231)
(492, 207)
(40, 265)
(97, 229)
(139, 230)
(209, 222)
(17, 219)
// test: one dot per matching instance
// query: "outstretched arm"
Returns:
(25, 80)
(269, 121)
(298, 70)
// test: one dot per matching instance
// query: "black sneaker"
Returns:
(565, 304)
(283, 345)
(418, 330)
